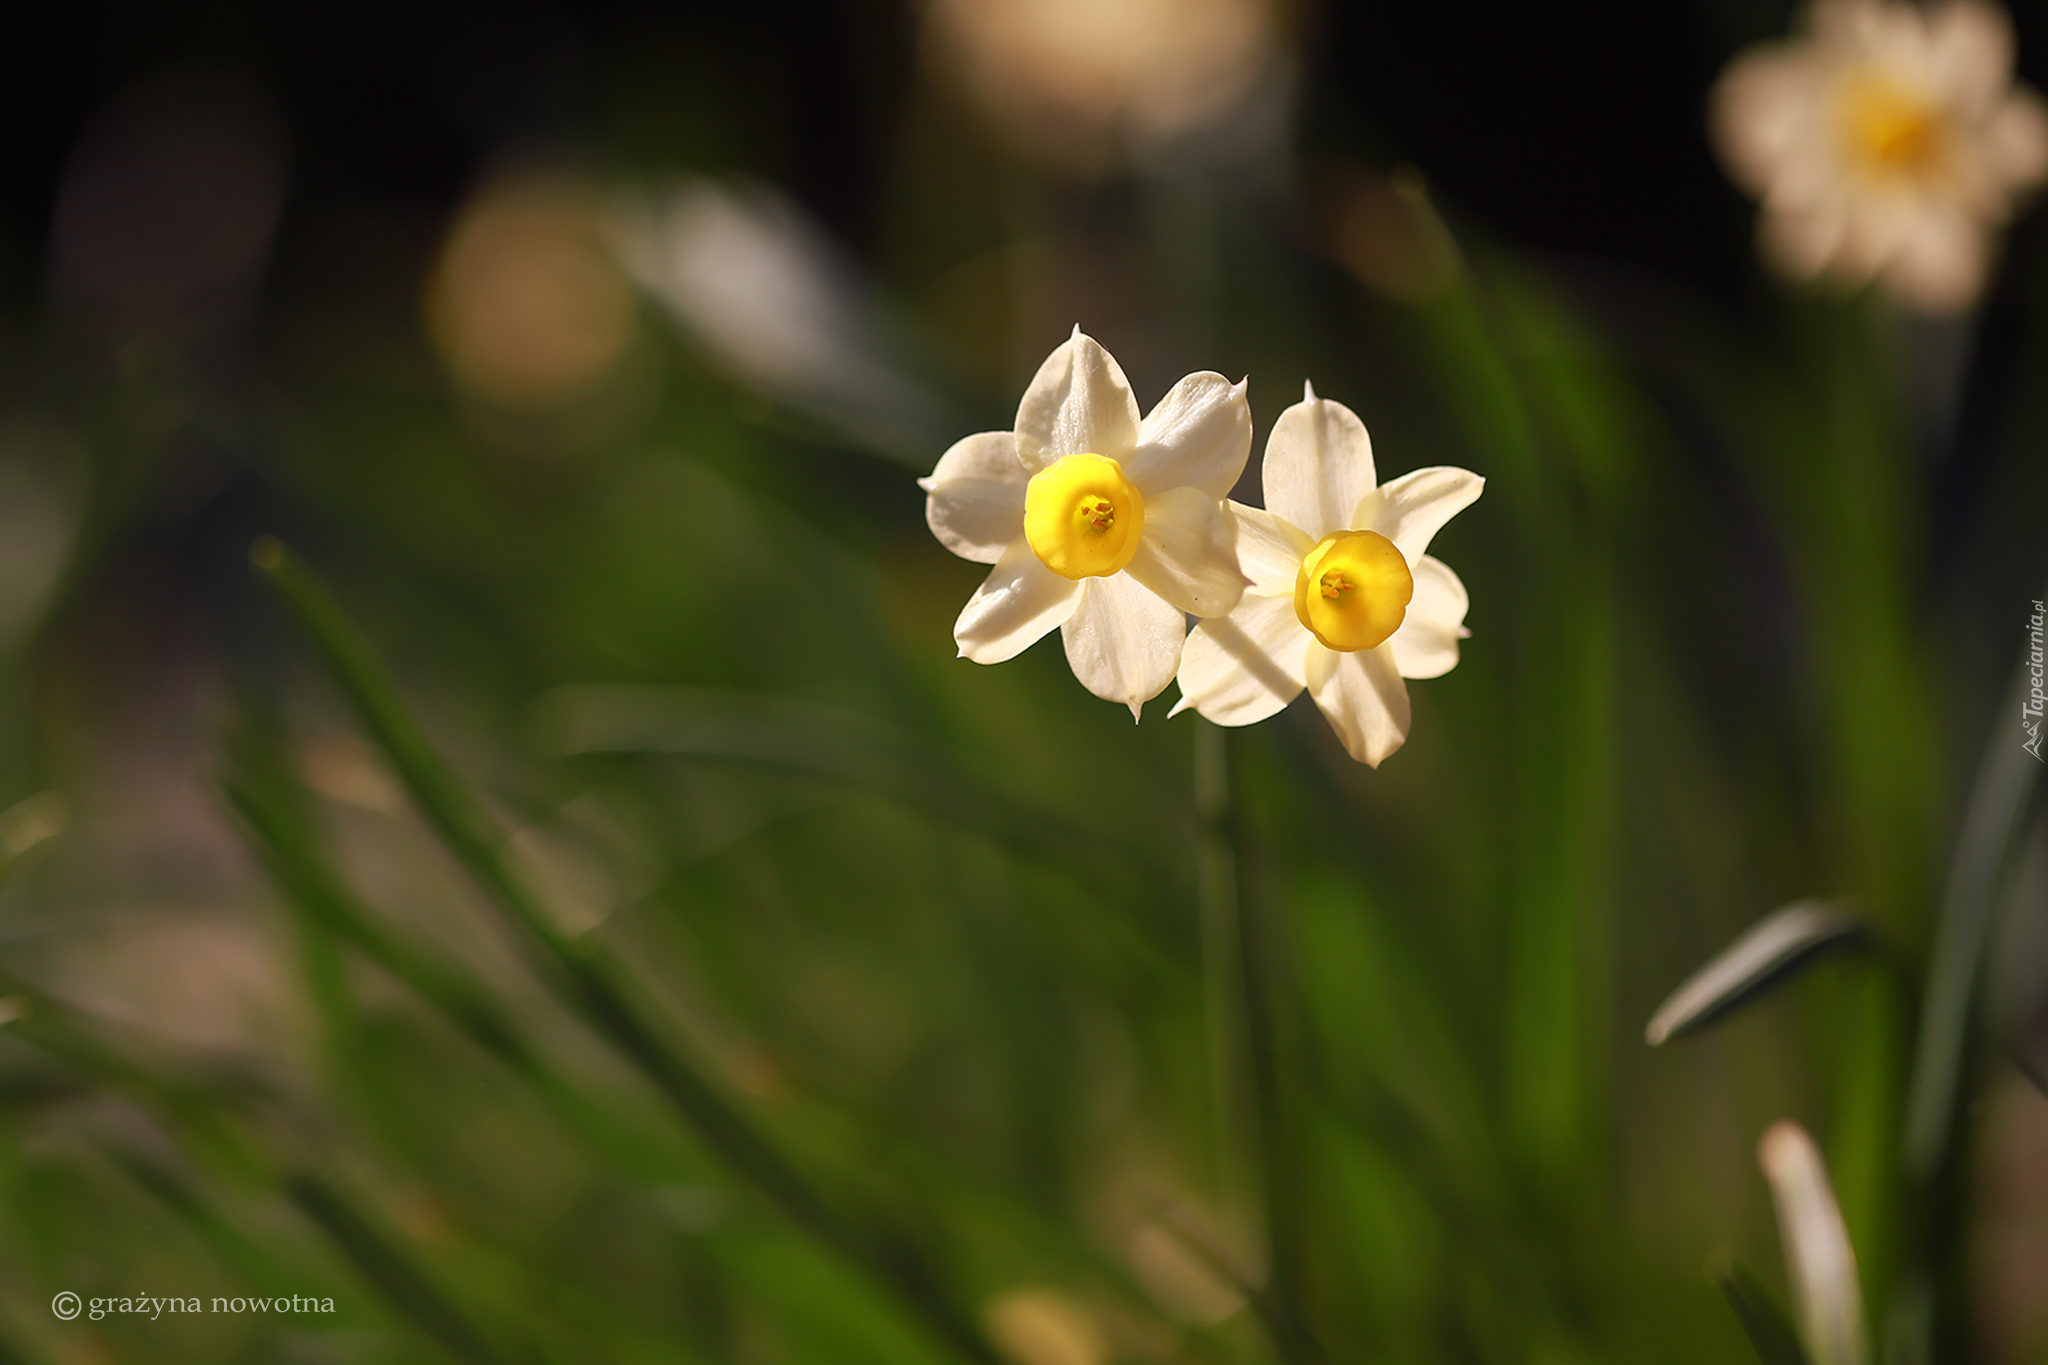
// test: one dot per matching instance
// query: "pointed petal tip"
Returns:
(1183, 704)
(927, 484)
(1308, 392)
(1076, 334)
(1137, 709)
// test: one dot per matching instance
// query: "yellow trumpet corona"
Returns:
(1890, 130)
(1353, 590)
(1082, 517)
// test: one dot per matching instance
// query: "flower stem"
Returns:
(1242, 1034)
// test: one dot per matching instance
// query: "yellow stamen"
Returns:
(1083, 517)
(1361, 590)
(1891, 130)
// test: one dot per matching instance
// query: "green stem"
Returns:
(1242, 1030)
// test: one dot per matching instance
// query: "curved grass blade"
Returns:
(2005, 784)
(402, 1284)
(259, 1265)
(203, 1107)
(1769, 1331)
(1773, 950)
(586, 982)
(1821, 1264)
(290, 851)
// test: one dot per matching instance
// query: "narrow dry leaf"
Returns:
(1770, 953)
(1037, 1325)
(1827, 1298)
(32, 821)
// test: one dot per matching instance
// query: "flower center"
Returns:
(1082, 516)
(1891, 130)
(1353, 590)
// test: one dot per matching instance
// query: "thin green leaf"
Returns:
(289, 850)
(1769, 1331)
(586, 982)
(2005, 784)
(404, 1286)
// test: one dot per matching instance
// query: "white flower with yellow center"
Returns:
(1342, 601)
(1108, 527)
(1889, 143)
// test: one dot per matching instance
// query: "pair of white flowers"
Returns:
(1888, 142)
(1116, 529)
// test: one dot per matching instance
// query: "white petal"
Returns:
(1318, 465)
(1200, 434)
(1018, 602)
(1877, 227)
(1411, 509)
(1969, 55)
(1940, 269)
(1187, 553)
(1362, 696)
(1850, 25)
(1124, 641)
(1078, 403)
(1245, 666)
(1761, 108)
(1800, 244)
(2015, 142)
(1426, 645)
(1269, 550)
(976, 496)
(1827, 1297)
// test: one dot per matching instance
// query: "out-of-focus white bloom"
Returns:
(1072, 79)
(768, 293)
(1890, 142)
(1342, 601)
(527, 306)
(1827, 1297)
(1105, 526)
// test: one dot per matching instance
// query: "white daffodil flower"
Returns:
(1342, 601)
(1108, 527)
(1890, 142)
